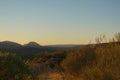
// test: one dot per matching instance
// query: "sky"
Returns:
(58, 21)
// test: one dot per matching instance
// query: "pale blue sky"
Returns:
(58, 21)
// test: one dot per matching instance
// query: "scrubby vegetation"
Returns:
(13, 68)
(99, 61)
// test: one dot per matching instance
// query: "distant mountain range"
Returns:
(30, 48)
(14, 45)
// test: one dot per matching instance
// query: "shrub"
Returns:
(78, 59)
(108, 64)
(13, 68)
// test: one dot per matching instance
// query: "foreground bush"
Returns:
(99, 63)
(13, 68)
(108, 64)
(78, 59)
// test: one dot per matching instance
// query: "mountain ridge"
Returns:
(32, 44)
(9, 44)
(35, 44)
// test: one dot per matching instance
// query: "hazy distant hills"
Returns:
(32, 44)
(30, 48)
(9, 45)
(65, 45)
(14, 45)
(26, 50)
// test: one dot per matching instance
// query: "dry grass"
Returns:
(101, 64)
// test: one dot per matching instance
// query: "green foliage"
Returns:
(13, 68)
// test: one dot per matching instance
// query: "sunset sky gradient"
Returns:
(58, 21)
